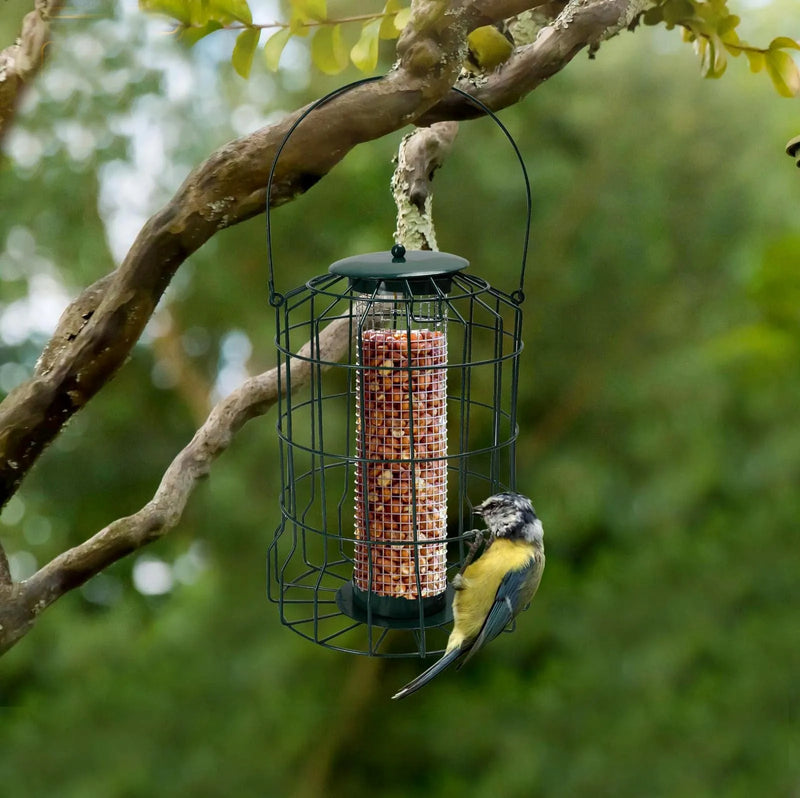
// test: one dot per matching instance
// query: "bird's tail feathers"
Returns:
(426, 675)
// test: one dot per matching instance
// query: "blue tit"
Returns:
(495, 588)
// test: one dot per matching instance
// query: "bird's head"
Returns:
(511, 515)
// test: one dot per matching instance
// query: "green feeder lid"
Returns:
(400, 270)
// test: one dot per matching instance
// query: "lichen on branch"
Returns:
(420, 154)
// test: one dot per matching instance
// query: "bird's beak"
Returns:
(478, 510)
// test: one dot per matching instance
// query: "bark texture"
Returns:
(421, 153)
(20, 61)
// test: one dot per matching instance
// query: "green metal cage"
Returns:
(398, 376)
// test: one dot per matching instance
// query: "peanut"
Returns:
(401, 388)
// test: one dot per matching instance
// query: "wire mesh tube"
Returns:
(401, 474)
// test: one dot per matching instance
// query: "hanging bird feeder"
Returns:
(385, 451)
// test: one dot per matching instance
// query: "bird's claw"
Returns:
(478, 536)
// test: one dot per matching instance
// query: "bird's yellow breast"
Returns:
(479, 584)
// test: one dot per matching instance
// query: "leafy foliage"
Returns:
(330, 51)
(708, 24)
(712, 28)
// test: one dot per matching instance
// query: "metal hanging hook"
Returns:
(276, 299)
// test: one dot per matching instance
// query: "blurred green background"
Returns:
(660, 439)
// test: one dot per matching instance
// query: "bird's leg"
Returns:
(473, 548)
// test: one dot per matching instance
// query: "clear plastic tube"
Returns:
(401, 475)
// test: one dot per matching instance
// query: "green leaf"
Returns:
(177, 9)
(402, 18)
(675, 11)
(784, 43)
(698, 26)
(728, 24)
(274, 48)
(714, 62)
(784, 73)
(756, 59)
(732, 49)
(754, 341)
(388, 30)
(653, 16)
(230, 10)
(190, 35)
(298, 25)
(365, 51)
(489, 47)
(244, 50)
(328, 51)
(316, 10)
(733, 44)
(199, 12)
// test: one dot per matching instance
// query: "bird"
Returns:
(494, 589)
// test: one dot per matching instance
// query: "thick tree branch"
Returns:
(489, 11)
(20, 606)
(5, 571)
(20, 62)
(582, 23)
(94, 340)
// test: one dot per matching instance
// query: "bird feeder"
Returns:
(397, 414)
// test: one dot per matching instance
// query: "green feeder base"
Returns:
(394, 613)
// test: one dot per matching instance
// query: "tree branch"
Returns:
(579, 25)
(5, 570)
(19, 64)
(20, 61)
(420, 154)
(97, 332)
(489, 11)
(255, 397)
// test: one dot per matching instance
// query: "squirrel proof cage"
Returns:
(398, 377)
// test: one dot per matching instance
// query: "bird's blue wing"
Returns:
(505, 608)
